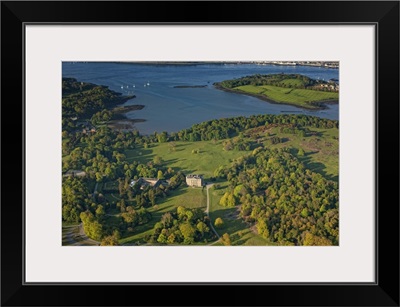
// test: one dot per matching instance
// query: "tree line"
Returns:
(281, 80)
(224, 128)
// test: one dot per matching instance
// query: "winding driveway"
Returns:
(208, 186)
(75, 235)
(95, 189)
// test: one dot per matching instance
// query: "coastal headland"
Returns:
(290, 89)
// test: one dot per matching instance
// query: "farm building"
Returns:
(145, 182)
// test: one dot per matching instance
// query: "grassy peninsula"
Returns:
(291, 89)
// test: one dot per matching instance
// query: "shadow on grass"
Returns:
(317, 167)
(184, 171)
(167, 162)
(293, 151)
(164, 209)
(113, 220)
(242, 240)
(181, 145)
(232, 222)
(113, 211)
(315, 133)
(143, 155)
(138, 234)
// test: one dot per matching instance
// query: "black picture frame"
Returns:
(383, 14)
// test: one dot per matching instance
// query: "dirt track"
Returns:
(75, 236)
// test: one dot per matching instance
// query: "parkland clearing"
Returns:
(257, 180)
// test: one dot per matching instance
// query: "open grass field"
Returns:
(321, 153)
(321, 150)
(299, 97)
(211, 155)
(185, 196)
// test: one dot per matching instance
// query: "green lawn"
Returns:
(321, 153)
(210, 157)
(299, 97)
(185, 196)
(321, 150)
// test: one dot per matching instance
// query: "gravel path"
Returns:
(75, 236)
(208, 209)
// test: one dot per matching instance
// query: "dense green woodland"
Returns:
(288, 204)
(183, 225)
(273, 191)
(84, 101)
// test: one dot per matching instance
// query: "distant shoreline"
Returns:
(194, 63)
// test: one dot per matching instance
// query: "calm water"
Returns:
(172, 109)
